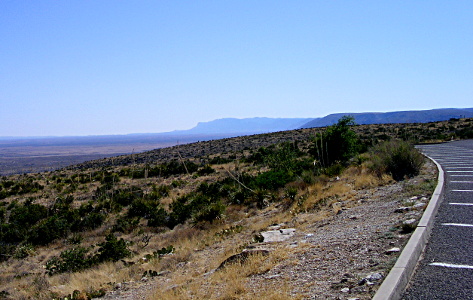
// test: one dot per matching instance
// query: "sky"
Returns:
(72, 68)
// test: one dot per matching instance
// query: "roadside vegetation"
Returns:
(78, 231)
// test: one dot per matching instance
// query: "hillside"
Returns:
(170, 217)
(30, 155)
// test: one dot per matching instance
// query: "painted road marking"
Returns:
(461, 181)
(459, 167)
(439, 264)
(465, 204)
(462, 191)
(459, 171)
(457, 224)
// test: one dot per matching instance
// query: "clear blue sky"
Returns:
(117, 67)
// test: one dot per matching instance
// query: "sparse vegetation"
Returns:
(102, 215)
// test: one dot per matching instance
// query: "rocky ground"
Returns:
(344, 255)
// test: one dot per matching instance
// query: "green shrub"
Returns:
(126, 224)
(23, 251)
(210, 213)
(28, 214)
(158, 218)
(48, 230)
(337, 144)
(113, 249)
(397, 158)
(71, 260)
(206, 170)
(272, 180)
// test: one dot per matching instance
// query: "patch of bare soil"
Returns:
(342, 251)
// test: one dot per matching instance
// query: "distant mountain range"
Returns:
(246, 126)
(232, 126)
(412, 116)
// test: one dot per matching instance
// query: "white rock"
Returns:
(278, 235)
(375, 277)
(393, 250)
(345, 290)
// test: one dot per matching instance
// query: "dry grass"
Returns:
(231, 282)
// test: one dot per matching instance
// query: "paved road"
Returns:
(446, 270)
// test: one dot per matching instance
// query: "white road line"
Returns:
(462, 191)
(462, 181)
(466, 175)
(459, 167)
(439, 264)
(465, 204)
(459, 171)
(457, 224)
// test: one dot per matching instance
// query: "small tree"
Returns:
(113, 249)
(337, 144)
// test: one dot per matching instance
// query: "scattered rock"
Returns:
(278, 235)
(374, 277)
(392, 250)
(419, 205)
(409, 222)
(371, 279)
(144, 279)
(402, 209)
(345, 290)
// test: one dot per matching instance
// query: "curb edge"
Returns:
(396, 282)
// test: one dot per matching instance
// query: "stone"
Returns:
(409, 222)
(393, 250)
(401, 209)
(374, 277)
(419, 205)
(278, 235)
(345, 290)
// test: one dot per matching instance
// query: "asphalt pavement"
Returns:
(445, 270)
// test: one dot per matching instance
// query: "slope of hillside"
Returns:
(174, 215)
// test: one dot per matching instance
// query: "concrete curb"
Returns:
(396, 282)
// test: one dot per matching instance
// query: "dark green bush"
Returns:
(71, 260)
(206, 170)
(272, 180)
(397, 158)
(49, 229)
(126, 224)
(28, 214)
(113, 249)
(210, 213)
(159, 218)
(337, 144)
